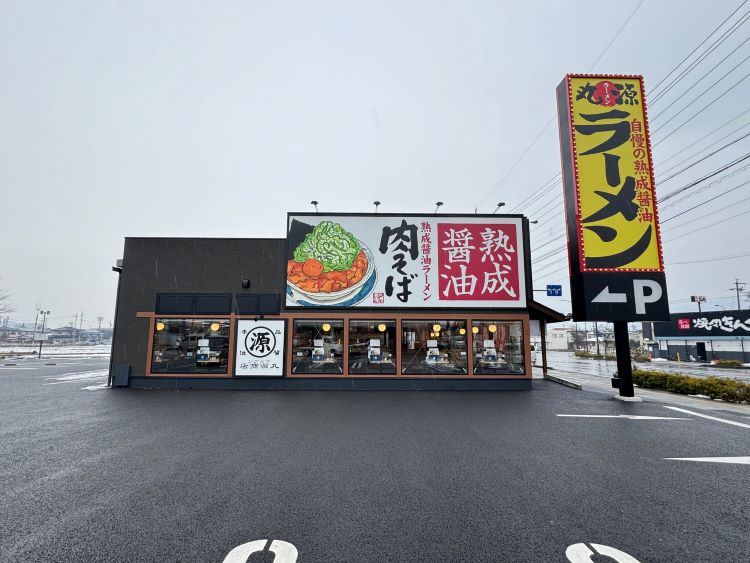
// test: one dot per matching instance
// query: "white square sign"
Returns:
(260, 348)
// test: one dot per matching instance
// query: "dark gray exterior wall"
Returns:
(184, 265)
(205, 265)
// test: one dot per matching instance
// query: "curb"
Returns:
(561, 381)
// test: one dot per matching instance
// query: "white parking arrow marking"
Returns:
(606, 297)
(580, 553)
(742, 460)
(284, 552)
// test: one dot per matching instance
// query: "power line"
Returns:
(538, 136)
(730, 71)
(717, 259)
(704, 108)
(706, 177)
(708, 186)
(689, 209)
(700, 151)
(722, 77)
(554, 271)
(689, 166)
(517, 162)
(552, 181)
(713, 68)
(703, 56)
(691, 145)
(550, 253)
(724, 220)
(539, 197)
(616, 35)
(700, 44)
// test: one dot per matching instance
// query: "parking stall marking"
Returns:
(724, 420)
(626, 416)
(741, 460)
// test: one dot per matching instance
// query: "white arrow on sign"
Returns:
(606, 297)
(580, 553)
(742, 460)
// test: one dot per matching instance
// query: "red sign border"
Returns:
(579, 227)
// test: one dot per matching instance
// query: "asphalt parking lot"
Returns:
(93, 474)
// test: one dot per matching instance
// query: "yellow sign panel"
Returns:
(616, 217)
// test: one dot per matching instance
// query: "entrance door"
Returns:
(701, 346)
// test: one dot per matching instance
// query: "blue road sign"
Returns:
(554, 291)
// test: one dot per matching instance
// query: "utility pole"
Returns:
(33, 335)
(81, 329)
(75, 325)
(41, 338)
(738, 285)
(596, 334)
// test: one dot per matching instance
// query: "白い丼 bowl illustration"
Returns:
(329, 267)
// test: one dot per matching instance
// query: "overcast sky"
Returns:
(213, 119)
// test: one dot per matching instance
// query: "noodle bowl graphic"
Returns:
(330, 266)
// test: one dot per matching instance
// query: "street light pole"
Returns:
(41, 337)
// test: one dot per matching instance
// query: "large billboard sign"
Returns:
(614, 246)
(399, 261)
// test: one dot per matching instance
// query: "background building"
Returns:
(704, 337)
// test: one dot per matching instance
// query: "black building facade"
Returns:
(235, 314)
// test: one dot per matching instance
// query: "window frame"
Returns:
(344, 352)
(522, 348)
(435, 320)
(347, 315)
(396, 351)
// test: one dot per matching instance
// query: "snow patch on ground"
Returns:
(51, 352)
(80, 376)
(96, 387)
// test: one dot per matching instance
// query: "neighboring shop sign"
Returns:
(405, 261)
(260, 348)
(614, 246)
(719, 323)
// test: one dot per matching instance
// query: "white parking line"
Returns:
(742, 460)
(725, 421)
(628, 416)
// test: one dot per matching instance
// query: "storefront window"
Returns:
(498, 347)
(318, 347)
(433, 347)
(372, 347)
(190, 346)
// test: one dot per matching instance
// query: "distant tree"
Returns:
(579, 339)
(607, 336)
(5, 306)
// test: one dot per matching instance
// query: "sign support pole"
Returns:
(543, 327)
(624, 365)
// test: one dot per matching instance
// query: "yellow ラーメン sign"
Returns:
(616, 208)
